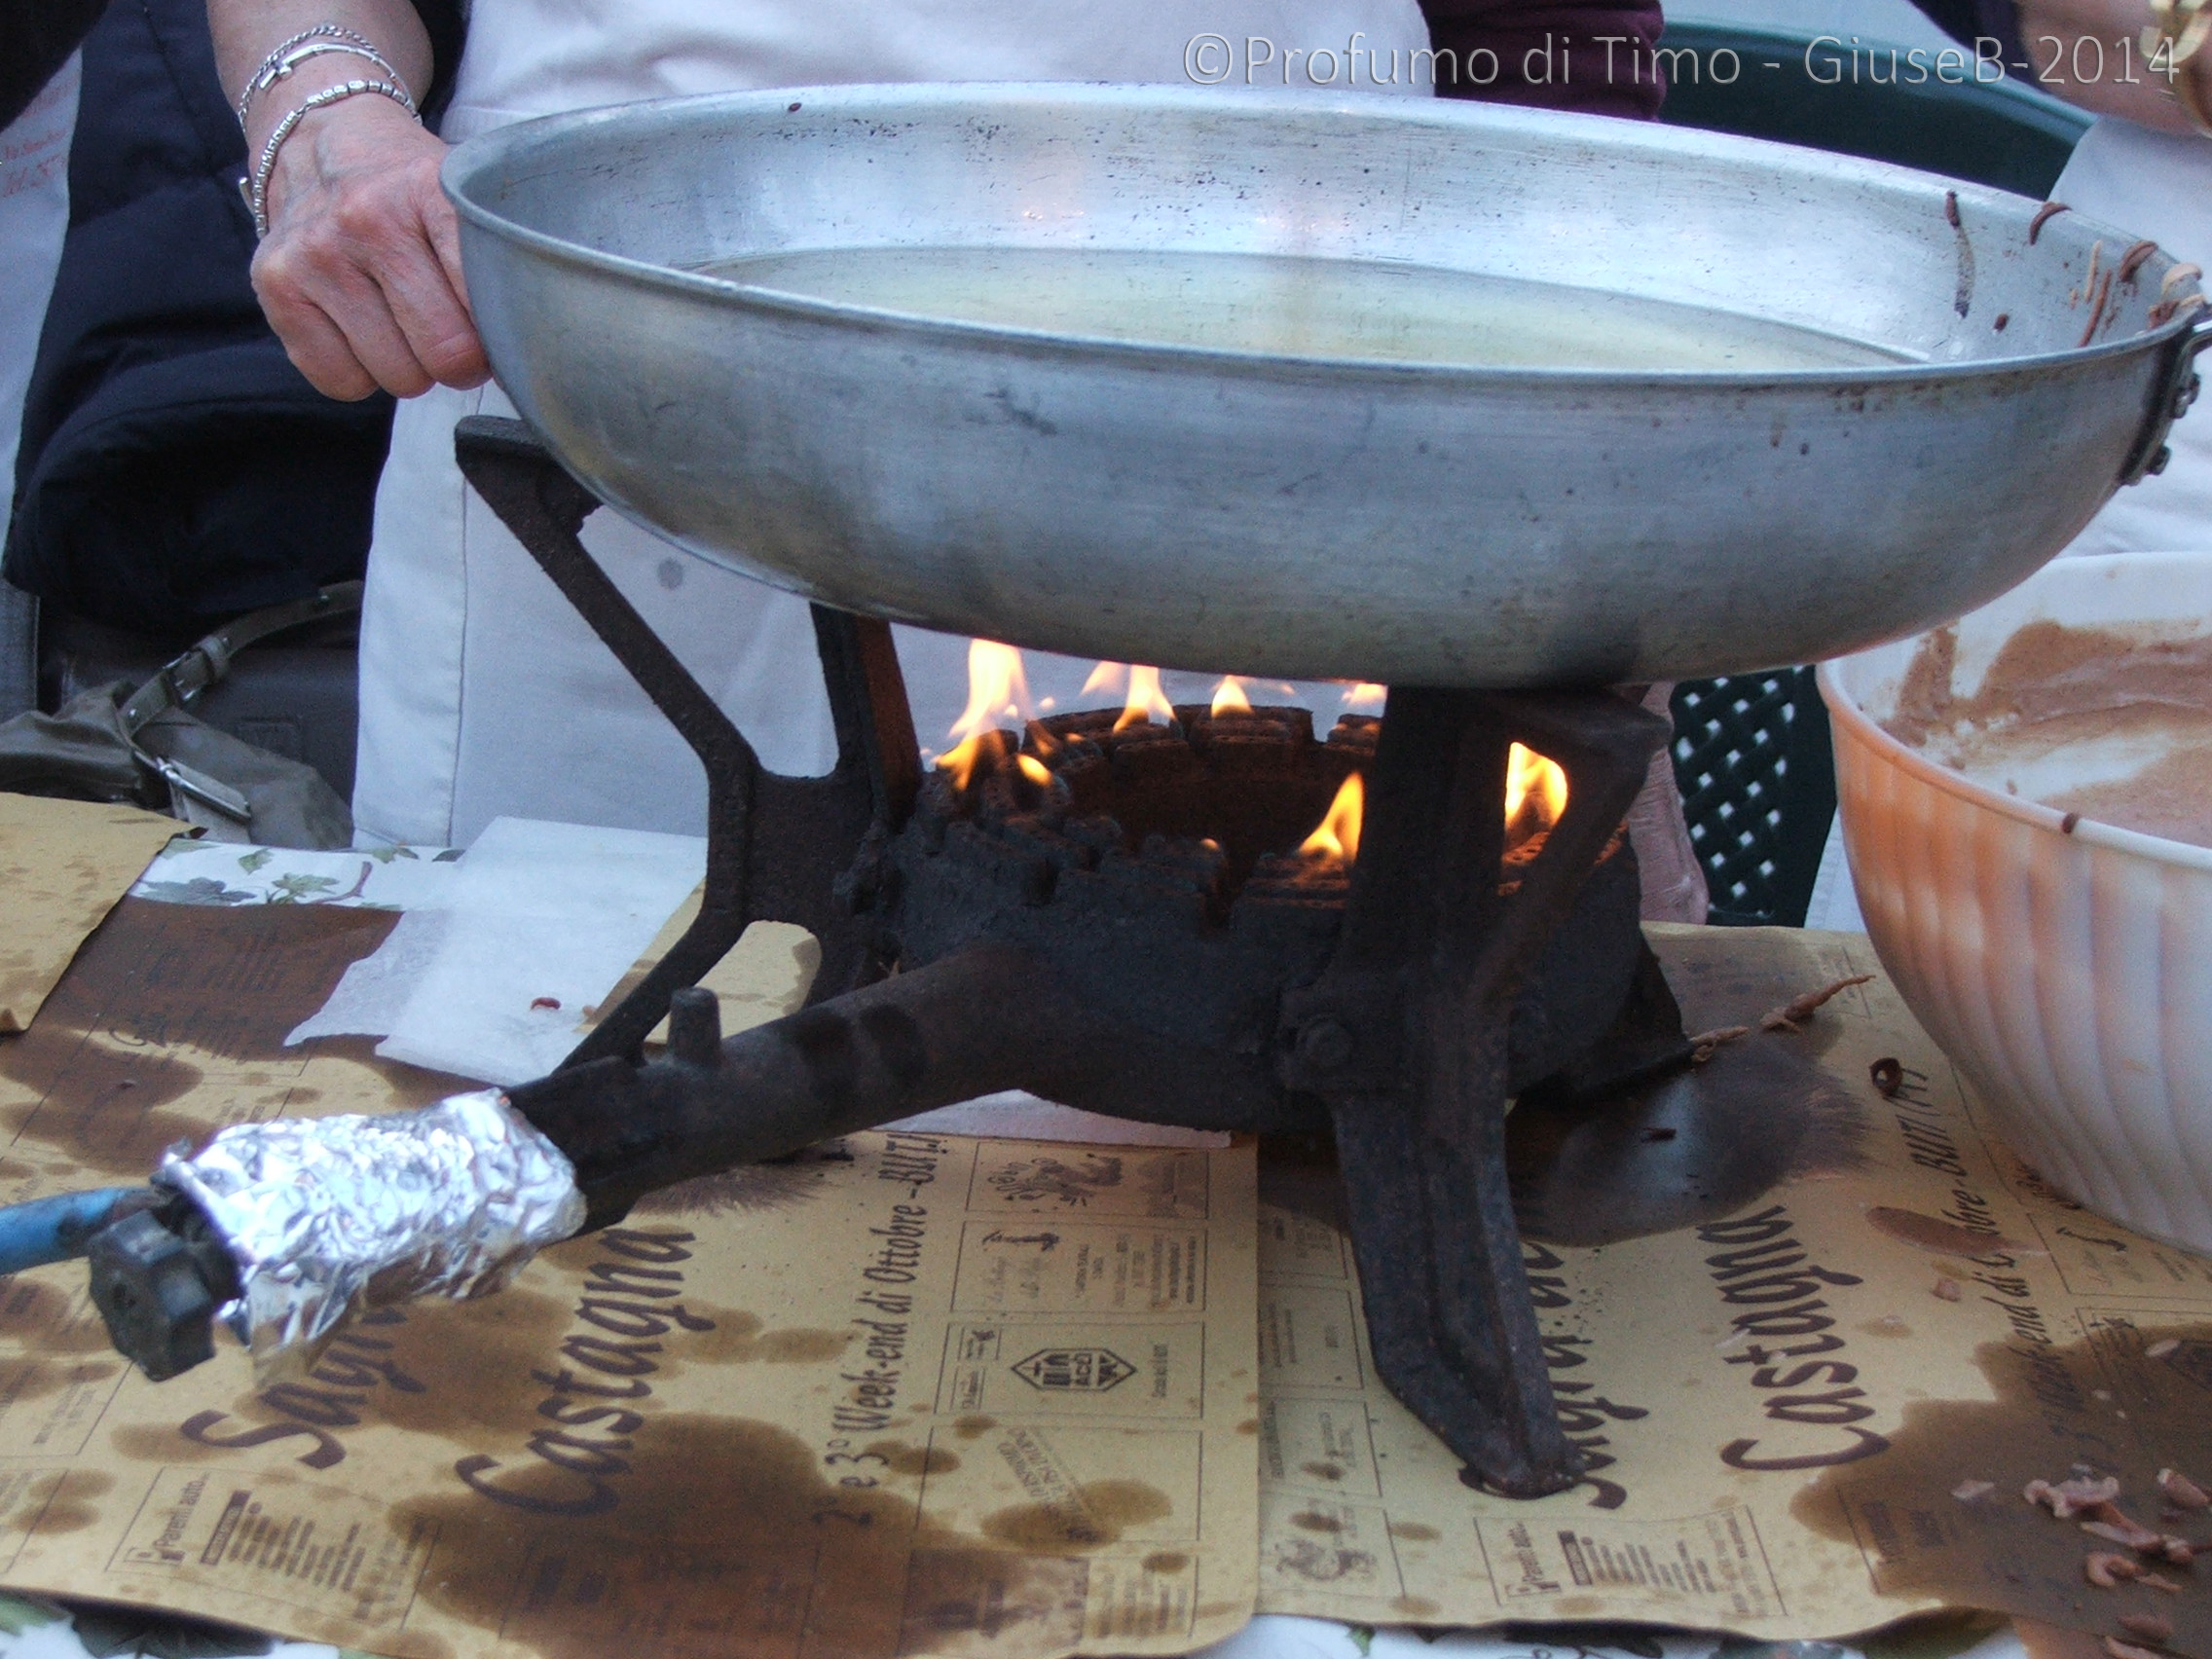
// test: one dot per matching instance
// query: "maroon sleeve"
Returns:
(1553, 52)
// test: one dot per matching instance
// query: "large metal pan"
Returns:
(1392, 522)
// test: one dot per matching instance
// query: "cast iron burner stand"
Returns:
(1406, 1041)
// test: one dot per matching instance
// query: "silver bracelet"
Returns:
(282, 68)
(255, 189)
(266, 75)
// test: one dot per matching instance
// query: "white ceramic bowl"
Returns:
(2066, 972)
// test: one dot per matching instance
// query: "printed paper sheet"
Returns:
(909, 1395)
(1787, 1318)
(64, 863)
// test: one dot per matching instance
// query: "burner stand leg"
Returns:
(778, 849)
(1405, 1036)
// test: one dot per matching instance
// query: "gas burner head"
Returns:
(1211, 805)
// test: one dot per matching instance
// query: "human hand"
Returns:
(360, 273)
(2089, 53)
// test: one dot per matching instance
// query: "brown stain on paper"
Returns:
(49, 1319)
(1944, 1238)
(1098, 1514)
(156, 1443)
(154, 999)
(729, 1527)
(903, 1458)
(741, 1339)
(1998, 1551)
(1704, 1143)
(456, 1370)
(41, 1379)
(71, 1508)
(459, 1370)
(1695, 1148)
(62, 1505)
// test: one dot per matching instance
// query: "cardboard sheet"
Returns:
(64, 863)
(907, 1396)
(1787, 1318)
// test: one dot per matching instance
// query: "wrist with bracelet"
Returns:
(2178, 33)
(255, 186)
(309, 44)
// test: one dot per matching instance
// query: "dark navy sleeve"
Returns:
(1555, 54)
(1971, 21)
(36, 38)
(446, 23)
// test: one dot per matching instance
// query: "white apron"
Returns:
(482, 693)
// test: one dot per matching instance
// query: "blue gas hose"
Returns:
(55, 1229)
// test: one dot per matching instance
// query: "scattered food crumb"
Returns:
(2181, 1492)
(2109, 1571)
(2155, 1582)
(545, 1001)
(2124, 1532)
(2120, 1649)
(1967, 1492)
(2074, 1496)
(2180, 1551)
(2125, 1536)
(2150, 1627)
(1947, 1290)
(1706, 1044)
(2160, 1349)
(1791, 1015)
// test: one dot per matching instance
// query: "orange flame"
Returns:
(1145, 700)
(1364, 698)
(1034, 769)
(1229, 697)
(1536, 787)
(1337, 837)
(998, 689)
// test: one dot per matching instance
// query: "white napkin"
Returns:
(541, 920)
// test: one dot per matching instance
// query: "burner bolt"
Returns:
(1325, 1043)
(695, 1026)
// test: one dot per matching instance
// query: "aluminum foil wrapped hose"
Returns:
(298, 1225)
(282, 1231)
(325, 1217)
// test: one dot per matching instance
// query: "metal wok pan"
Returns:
(1407, 523)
